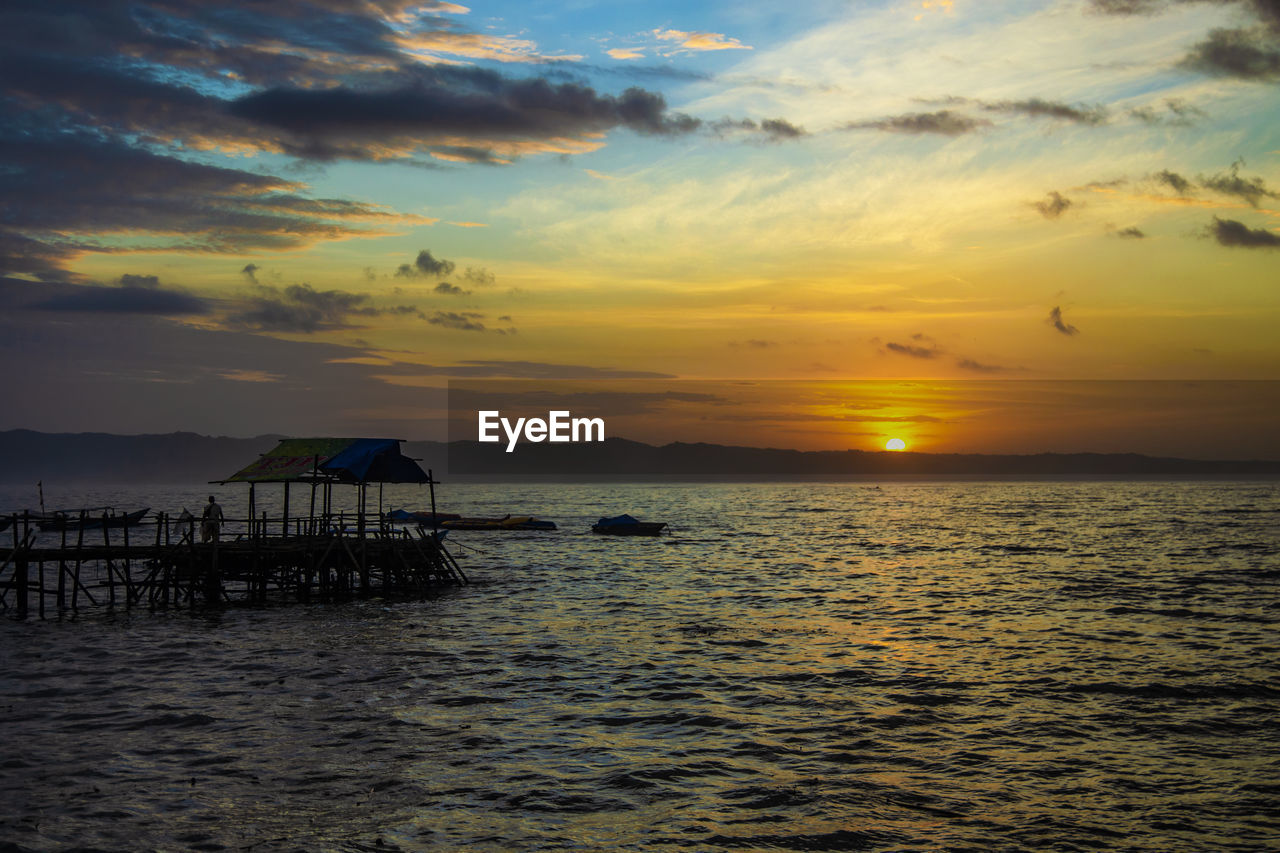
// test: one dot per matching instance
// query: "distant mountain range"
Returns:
(182, 457)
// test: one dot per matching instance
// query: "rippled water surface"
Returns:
(960, 666)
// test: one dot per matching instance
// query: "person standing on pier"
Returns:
(212, 524)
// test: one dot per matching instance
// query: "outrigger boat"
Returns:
(405, 516)
(92, 520)
(625, 525)
(520, 522)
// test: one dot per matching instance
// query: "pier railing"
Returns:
(63, 562)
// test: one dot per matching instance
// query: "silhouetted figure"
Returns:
(212, 524)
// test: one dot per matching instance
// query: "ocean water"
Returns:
(819, 666)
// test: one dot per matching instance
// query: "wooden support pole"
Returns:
(128, 571)
(106, 544)
(62, 572)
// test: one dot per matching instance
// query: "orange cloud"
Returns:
(701, 41)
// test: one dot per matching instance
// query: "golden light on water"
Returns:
(895, 444)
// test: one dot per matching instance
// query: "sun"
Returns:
(895, 444)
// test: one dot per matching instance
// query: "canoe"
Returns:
(522, 522)
(625, 525)
(420, 517)
(90, 521)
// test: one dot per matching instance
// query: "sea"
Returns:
(894, 666)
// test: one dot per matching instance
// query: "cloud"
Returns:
(487, 369)
(754, 343)
(427, 265)
(250, 271)
(448, 289)
(437, 106)
(943, 122)
(1055, 320)
(118, 106)
(913, 352)
(977, 367)
(1176, 182)
(145, 201)
(138, 294)
(1054, 205)
(479, 276)
(625, 53)
(1250, 54)
(700, 41)
(1131, 233)
(1229, 232)
(301, 308)
(465, 321)
(1252, 190)
(772, 129)
(151, 282)
(1177, 112)
(1040, 108)
(1247, 53)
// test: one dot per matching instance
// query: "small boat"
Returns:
(625, 525)
(508, 522)
(405, 516)
(89, 520)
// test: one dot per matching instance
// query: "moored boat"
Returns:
(420, 517)
(625, 525)
(92, 520)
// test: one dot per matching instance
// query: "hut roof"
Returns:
(343, 460)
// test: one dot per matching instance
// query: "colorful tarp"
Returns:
(344, 460)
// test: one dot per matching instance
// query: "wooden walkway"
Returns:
(141, 567)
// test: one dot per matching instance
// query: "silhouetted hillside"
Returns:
(95, 457)
(27, 457)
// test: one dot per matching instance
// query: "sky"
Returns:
(307, 217)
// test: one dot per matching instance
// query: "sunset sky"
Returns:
(307, 217)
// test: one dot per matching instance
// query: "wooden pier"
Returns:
(158, 563)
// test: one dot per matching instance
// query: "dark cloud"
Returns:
(769, 130)
(466, 321)
(754, 343)
(1055, 320)
(1054, 205)
(301, 308)
(426, 265)
(138, 294)
(113, 103)
(944, 122)
(1250, 54)
(484, 369)
(1229, 232)
(250, 271)
(448, 289)
(1040, 108)
(977, 367)
(112, 187)
(1176, 182)
(1252, 190)
(479, 276)
(437, 104)
(1176, 112)
(913, 352)
(1131, 233)
(148, 281)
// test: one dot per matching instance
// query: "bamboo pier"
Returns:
(158, 563)
(119, 561)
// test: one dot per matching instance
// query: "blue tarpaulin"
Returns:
(344, 460)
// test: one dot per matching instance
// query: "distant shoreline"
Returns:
(27, 457)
